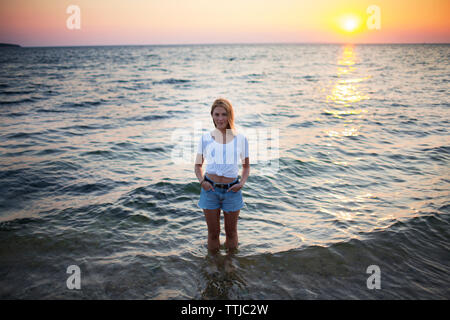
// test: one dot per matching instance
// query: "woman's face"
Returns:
(220, 117)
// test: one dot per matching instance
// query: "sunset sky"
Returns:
(140, 22)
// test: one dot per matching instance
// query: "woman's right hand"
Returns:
(206, 185)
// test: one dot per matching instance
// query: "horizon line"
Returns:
(227, 43)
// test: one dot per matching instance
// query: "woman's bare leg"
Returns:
(231, 219)
(213, 221)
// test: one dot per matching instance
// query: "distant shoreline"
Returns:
(236, 44)
(9, 45)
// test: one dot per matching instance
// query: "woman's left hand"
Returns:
(236, 187)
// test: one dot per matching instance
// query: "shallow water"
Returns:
(90, 177)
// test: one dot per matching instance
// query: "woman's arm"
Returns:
(245, 170)
(198, 167)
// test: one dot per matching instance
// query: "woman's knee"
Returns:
(213, 222)
(213, 234)
(231, 232)
(231, 220)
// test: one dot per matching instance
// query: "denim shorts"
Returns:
(220, 198)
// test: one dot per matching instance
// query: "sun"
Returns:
(349, 23)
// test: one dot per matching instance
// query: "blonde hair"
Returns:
(222, 102)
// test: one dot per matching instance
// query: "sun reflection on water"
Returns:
(344, 98)
(346, 91)
(345, 95)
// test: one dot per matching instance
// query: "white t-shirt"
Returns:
(222, 159)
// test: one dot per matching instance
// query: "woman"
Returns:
(220, 186)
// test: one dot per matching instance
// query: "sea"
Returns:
(348, 195)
